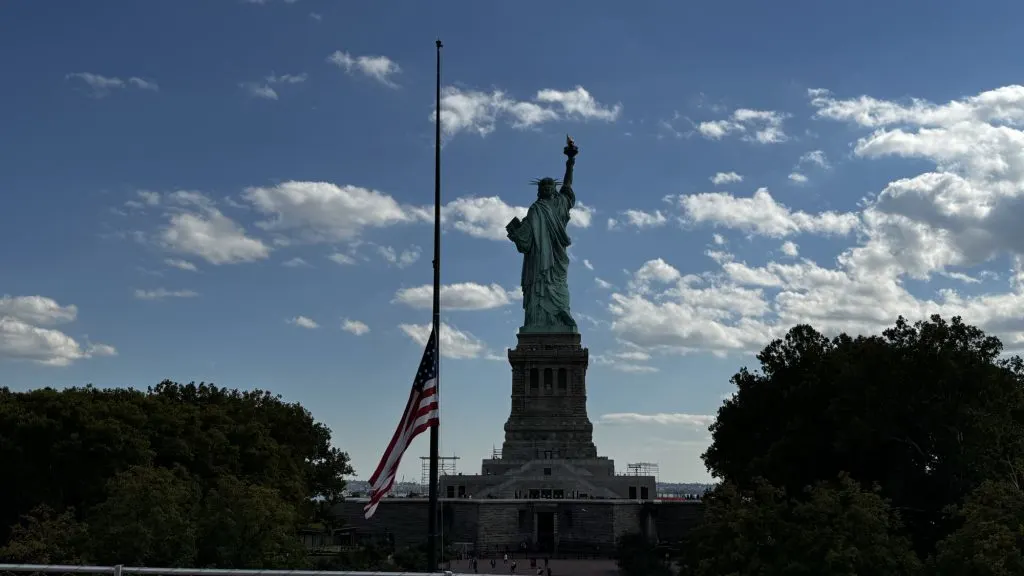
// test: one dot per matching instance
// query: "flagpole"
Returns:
(435, 431)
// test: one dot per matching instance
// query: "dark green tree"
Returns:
(198, 473)
(926, 412)
(45, 537)
(149, 518)
(990, 542)
(832, 529)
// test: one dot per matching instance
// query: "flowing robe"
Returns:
(542, 240)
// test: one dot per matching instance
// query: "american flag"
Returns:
(420, 414)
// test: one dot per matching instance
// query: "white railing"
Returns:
(147, 571)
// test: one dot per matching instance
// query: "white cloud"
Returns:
(354, 327)
(162, 293)
(401, 260)
(816, 157)
(587, 264)
(287, 78)
(460, 296)
(797, 177)
(965, 212)
(265, 90)
(380, 68)
(487, 217)
(303, 322)
(148, 197)
(37, 310)
(761, 214)
(762, 126)
(454, 343)
(603, 284)
(480, 112)
(197, 228)
(261, 91)
(701, 421)
(295, 262)
(790, 249)
(642, 219)
(628, 361)
(725, 178)
(343, 259)
(718, 239)
(24, 332)
(325, 212)
(180, 264)
(100, 86)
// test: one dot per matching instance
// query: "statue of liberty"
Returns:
(542, 240)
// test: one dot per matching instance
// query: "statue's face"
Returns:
(545, 190)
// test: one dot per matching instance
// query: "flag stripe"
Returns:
(421, 412)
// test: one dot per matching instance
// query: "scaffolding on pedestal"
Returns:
(446, 466)
(643, 469)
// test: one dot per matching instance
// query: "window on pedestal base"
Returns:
(632, 492)
(547, 471)
(450, 491)
(563, 380)
(549, 379)
(534, 379)
(462, 491)
(559, 494)
(644, 493)
(534, 494)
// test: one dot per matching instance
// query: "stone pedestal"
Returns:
(548, 419)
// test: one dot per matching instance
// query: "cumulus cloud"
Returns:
(295, 262)
(27, 332)
(100, 86)
(196, 227)
(455, 343)
(325, 212)
(460, 296)
(480, 112)
(761, 214)
(964, 212)
(631, 361)
(725, 178)
(180, 264)
(303, 322)
(163, 293)
(356, 327)
(641, 219)
(762, 126)
(380, 68)
(400, 259)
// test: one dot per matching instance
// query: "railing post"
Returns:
(117, 569)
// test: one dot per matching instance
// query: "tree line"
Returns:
(177, 475)
(900, 454)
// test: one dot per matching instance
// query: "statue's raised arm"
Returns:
(570, 152)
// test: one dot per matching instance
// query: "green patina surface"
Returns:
(543, 241)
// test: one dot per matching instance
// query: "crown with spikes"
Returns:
(551, 181)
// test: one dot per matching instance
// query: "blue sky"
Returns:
(233, 192)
